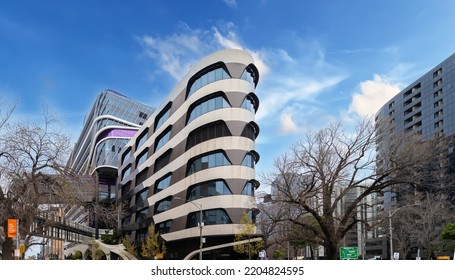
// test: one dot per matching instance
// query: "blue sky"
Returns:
(320, 61)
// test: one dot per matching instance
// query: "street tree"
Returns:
(33, 175)
(130, 247)
(418, 223)
(247, 233)
(448, 237)
(270, 230)
(152, 246)
(448, 233)
(320, 172)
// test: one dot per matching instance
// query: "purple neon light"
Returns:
(116, 133)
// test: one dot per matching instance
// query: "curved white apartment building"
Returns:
(195, 154)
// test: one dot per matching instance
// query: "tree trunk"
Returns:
(7, 246)
(332, 250)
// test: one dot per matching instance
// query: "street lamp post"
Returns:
(390, 229)
(390, 232)
(200, 224)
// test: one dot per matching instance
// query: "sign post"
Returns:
(13, 232)
(349, 253)
(12, 228)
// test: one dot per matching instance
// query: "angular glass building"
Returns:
(112, 121)
(194, 160)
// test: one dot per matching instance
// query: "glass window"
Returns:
(208, 105)
(126, 221)
(141, 198)
(207, 132)
(126, 172)
(126, 155)
(249, 131)
(163, 116)
(126, 188)
(209, 217)
(141, 177)
(207, 78)
(141, 215)
(208, 161)
(163, 183)
(248, 189)
(247, 75)
(248, 160)
(206, 189)
(141, 234)
(163, 205)
(163, 160)
(164, 227)
(163, 139)
(218, 74)
(211, 77)
(142, 158)
(142, 138)
(248, 104)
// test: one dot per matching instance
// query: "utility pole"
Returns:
(200, 223)
(97, 204)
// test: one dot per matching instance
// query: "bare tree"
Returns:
(316, 176)
(419, 223)
(33, 174)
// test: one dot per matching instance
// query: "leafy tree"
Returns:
(152, 247)
(321, 171)
(110, 238)
(77, 255)
(247, 232)
(448, 233)
(448, 237)
(277, 254)
(129, 245)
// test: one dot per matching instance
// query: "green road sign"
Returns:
(349, 253)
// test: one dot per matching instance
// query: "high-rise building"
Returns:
(424, 108)
(112, 121)
(193, 160)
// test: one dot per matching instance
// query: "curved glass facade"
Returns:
(206, 189)
(208, 161)
(207, 78)
(207, 106)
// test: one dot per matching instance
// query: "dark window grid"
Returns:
(206, 189)
(208, 161)
(205, 133)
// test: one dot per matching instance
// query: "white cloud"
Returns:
(231, 3)
(177, 52)
(372, 96)
(288, 80)
(287, 124)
